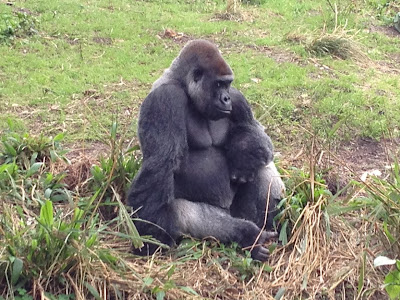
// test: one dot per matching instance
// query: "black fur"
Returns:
(207, 163)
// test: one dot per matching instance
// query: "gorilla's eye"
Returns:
(197, 74)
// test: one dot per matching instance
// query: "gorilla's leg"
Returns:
(252, 197)
(202, 220)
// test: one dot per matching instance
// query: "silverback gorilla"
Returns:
(207, 164)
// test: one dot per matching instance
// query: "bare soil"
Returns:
(389, 31)
(349, 161)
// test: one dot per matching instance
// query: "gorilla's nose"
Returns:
(225, 99)
(226, 102)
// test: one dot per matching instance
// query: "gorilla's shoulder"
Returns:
(168, 97)
(171, 89)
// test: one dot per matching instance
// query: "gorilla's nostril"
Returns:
(226, 99)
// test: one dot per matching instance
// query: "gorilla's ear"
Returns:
(197, 74)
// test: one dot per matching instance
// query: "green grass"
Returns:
(91, 45)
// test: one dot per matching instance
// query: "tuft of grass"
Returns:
(336, 47)
(340, 44)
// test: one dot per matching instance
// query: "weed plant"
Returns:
(15, 25)
(47, 231)
(386, 207)
(307, 188)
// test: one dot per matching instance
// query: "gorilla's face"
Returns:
(210, 94)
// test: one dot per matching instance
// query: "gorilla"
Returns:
(207, 168)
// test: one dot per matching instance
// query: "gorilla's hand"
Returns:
(241, 176)
(247, 150)
(260, 252)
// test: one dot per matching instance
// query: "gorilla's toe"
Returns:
(260, 253)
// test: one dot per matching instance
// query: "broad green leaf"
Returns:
(78, 214)
(53, 155)
(283, 234)
(59, 137)
(47, 193)
(267, 268)
(4, 167)
(46, 213)
(147, 281)
(33, 158)
(160, 295)
(392, 281)
(10, 149)
(114, 127)
(188, 290)
(34, 169)
(34, 244)
(16, 270)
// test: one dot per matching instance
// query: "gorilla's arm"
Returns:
(248, 147)
(162, 136)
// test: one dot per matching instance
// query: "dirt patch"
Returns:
(385, 30)
(102, 40)
(390, 65)
(387, 67)
(82, 157)
(349, 161)
(232, 16)
(367, 154)
(395, 57)
(279, 55)
(77, 174)
(72, 41)
(236, 14)
(21, 10)
(177, 37)
(87, 151)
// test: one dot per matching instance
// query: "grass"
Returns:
(317, 71)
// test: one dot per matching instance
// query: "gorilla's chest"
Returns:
(204, 174)
(203, 133)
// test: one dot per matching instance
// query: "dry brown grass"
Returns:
(312, 265)
(341, 43)
(323, 260)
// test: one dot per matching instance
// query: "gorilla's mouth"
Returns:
(225, 111)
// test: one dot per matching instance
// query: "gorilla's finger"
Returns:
(242, 179)
(270, 235)
(234, 177)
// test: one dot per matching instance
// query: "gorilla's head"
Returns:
(206, 78)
